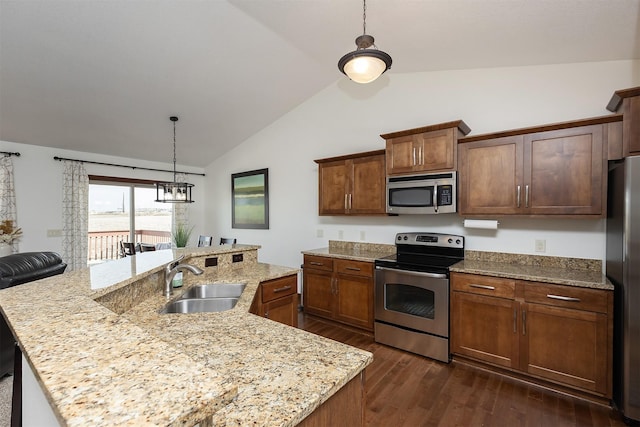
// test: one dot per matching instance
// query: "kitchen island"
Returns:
(105, 356)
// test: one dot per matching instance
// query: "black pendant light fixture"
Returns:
(173, 192)
(366, 63)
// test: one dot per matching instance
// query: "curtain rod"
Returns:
(9, 154)
(124, 166)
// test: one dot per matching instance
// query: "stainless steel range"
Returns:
(412, 293)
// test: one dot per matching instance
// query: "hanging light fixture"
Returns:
(364, 64)
(173, 192)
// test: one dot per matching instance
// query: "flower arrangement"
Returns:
(9, 232)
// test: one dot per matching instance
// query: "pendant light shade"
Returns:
(174, 192)
(366, 63)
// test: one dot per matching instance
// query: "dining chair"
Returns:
(127, 249)
(204, 241)
(227, 241)
(147, 247)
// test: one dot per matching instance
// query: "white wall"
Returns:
(348, 118)
(38, 185)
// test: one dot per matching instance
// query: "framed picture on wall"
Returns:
(250, 199)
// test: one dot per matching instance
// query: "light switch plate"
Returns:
(54, 233)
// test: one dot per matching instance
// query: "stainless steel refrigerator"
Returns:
(623, 269)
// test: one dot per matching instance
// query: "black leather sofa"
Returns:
(15, 270)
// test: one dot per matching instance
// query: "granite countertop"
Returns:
(353, 250)
(105, 357)
(584, 273)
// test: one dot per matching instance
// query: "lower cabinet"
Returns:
(339, 289)
(277, 300)
(556, 333)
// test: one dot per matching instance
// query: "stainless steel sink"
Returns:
(212, 297)
(200, 305)
(215, 290)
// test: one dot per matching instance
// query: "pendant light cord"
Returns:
(364, 17)
(174, 149)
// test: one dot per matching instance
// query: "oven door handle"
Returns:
(414, 273)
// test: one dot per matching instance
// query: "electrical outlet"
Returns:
(319, 232)
(340, 234)
(541, 245)
(362, 235)
(54, 233)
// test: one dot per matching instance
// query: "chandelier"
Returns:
(174, 192)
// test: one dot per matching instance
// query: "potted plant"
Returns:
(181, 234)
(8, 233)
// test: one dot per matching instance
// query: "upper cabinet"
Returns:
(551, 170)
(627, 102)
(353, 184)
(427, 149)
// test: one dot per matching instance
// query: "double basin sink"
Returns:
(207, 298)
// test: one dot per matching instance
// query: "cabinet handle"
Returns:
(515, 320)
(345, 201)
(518, 196)
(336, 285)
(421, 155)
(282, 289)
(414, 156)
(350, 201)
(352, 268)
(563, 298)
(524, 322)
(316, 263)
(526, 196)
(491, 288)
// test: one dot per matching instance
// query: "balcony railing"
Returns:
(105, 245)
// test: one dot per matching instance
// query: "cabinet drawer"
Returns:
(279, 288)
(483, 285)
(355, 268)
(566, 296)
(318, 262)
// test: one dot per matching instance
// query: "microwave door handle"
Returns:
(435, 197)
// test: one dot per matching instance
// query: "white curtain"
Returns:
(75, 215)
(8, 194)
(180, 210)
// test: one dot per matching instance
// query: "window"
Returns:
(124, 210)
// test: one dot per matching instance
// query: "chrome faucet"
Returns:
(170, 272)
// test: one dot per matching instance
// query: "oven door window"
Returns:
(411, 196)
(411, 300)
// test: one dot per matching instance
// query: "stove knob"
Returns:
(458, 241)
(450, 241)
(406, 237)
(399, 237)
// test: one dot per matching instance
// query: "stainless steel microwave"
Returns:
(422, 194)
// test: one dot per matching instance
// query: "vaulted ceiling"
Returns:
(104, 76)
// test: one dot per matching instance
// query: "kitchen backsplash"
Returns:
(535, 260)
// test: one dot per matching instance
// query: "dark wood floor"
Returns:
(403, 389)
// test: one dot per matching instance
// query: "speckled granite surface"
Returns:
(585, 273)
(353, 250)
(105, 357)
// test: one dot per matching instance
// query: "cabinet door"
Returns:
(333, 187)
(490, 175)
(565, 346)
(437, 150)
(317, 292)
(354, 300)
(631, 125)
(367, 194)
(485, 328)
(402, 155)
(564, 170)
(283, 310)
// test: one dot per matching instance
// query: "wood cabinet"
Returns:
(427, 149)
(352, 185)
(627, 102)
(553, 170)
(339, 289)
(277, 300)
(556, 333)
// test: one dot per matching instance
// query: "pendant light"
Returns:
(173, 192)
(365, 64)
